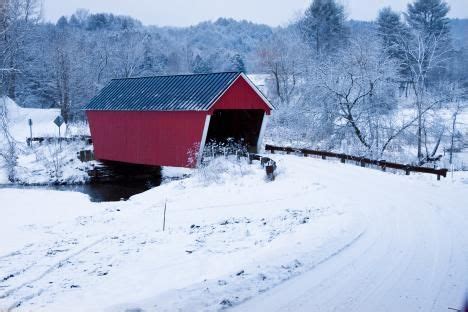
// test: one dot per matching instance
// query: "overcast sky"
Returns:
(189, 12)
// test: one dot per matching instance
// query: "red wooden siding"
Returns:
(241, 96)
(151, 138)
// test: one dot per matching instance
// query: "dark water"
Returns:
(97, 192)
(112, 182)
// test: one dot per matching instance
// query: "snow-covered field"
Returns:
(42, 120)
(323, 237)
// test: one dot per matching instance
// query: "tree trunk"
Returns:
(12, 81)
(419, 135)
(418, 90)
(12, 85)
(277, 82)
(357, 131)
(452, 138)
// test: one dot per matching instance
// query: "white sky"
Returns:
(190, 12)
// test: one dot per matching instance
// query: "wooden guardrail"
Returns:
(363, 161)
(85, 138)
(267, 163)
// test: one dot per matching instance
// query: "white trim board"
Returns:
(203, 141)
(262, 133)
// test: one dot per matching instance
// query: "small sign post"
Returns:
(164, 216)
(30, 123)
(59, 122)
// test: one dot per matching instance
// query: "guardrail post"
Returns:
(383, 165)
(270, 172)
(250, 159)
(363, 164)
(407, 170)
(438, 177)
(324, 157)
(343, 160)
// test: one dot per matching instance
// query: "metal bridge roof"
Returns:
(195, 92)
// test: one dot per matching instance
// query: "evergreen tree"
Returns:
(323, 26)
(237, 63)
(429, 17)
(97, 21)
(74, 22)
(393, 32)
(148, 60)
(389, 28)
(62, 22)
(200, 66)
(430, 29)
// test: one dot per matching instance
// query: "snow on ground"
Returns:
(53, 163)
(43, 163)
(323, 237)
(42, 120)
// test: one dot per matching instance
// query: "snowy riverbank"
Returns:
(46, 163)
(232, 240)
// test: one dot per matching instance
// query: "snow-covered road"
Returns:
(413, 255)
(322, 237)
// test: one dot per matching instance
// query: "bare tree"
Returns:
(8, 144)
(281, 57)
(129, 53)
(456, 109)
(17, 17)
(423, 52)
(63, 74)
(360, 86)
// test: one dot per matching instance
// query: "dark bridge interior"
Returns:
(237, 124)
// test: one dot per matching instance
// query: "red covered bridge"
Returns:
(165, 120)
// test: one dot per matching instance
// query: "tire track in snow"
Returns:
(51, 269)
(403, 264)
(344, 274)
(457, 286)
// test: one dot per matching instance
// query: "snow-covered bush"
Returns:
(220, 161)
(229, 147)
(220, 169)
(55, 159)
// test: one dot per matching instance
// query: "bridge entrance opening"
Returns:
(240, 126)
